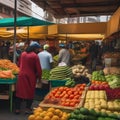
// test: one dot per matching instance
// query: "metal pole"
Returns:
(14, 48)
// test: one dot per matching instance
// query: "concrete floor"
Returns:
(5, 113)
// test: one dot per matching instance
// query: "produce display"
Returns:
(65, 96)
(80, 70)
(70, 82)
(96, 94)
(85, 114)
(98, 75)
(45, 74)
(5, 74)
(49, 114)
(97, 99)
(8, 65)
(60, 73)
(99, 85)
(99, 103)
(113, 81)
(113, 93)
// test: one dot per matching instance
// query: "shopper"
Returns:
(64, 54)
(45, 58)
(30, 70)
(94, 48)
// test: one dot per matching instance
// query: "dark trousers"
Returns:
(18, 102)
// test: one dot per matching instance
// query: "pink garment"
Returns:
(30, 69)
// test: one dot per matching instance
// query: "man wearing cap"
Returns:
(45, 58)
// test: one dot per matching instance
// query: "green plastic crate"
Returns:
(57, 83)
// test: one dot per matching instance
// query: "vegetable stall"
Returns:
(82, 95)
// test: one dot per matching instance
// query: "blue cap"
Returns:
(61, 45)
(35, 44)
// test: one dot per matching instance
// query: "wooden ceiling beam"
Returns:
(91, 4)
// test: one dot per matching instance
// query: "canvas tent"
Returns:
(23, 21)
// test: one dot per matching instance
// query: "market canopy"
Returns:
(23, 21)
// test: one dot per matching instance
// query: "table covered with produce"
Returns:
(81, 96)
(8, 76)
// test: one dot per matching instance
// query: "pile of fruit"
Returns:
(64, 96)
(49, 114)
(85, 114)
(99, 85)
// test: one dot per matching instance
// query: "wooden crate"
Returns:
(65, 108)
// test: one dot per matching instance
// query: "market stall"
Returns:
(8, 76)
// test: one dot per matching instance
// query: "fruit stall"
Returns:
(81, 95)
(8, 78)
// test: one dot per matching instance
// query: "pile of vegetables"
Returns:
(85, 114)
(113, 81)
(6, 74)
(70, 82)
(8, 65)
(80, 70)
(65, 96)
(60, 73)
(45, 74)
(98, 75)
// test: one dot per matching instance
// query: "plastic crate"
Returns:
(57, 83)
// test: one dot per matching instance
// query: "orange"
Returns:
(31, 117)
(50, 114)
(38, 118)
(51, 109)
(55, 117)
(46, 118)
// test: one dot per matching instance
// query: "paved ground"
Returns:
(5, 113)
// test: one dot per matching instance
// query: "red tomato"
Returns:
(80, 93)
(69, 92)
(67, 103)
(76, 93)
(64, 92)
(77, 96)
(71, 96)
(72, 104)
(56, 95)
(66, 96)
